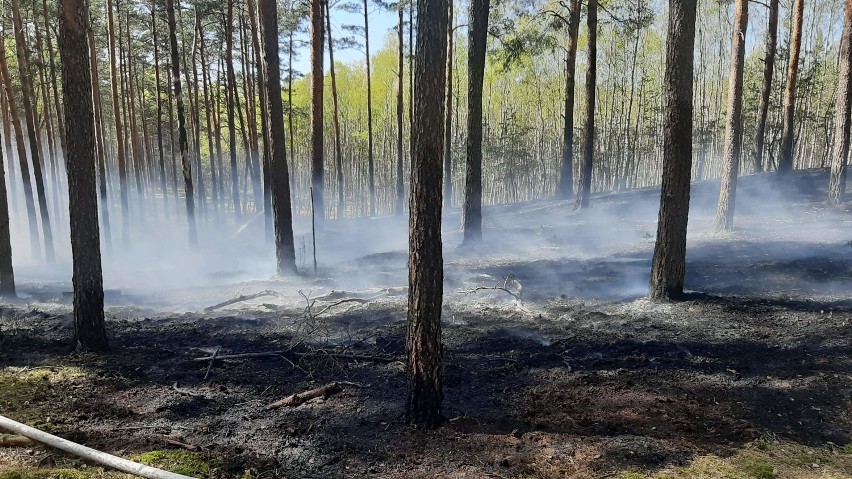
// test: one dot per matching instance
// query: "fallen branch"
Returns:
(88, 453)
(241, 298)
(182, 445)
(186, 391)
(11, 440)
(303, 397)
(502, 288)
(271, 354)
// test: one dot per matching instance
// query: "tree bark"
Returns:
(591, 83)
(370, 161)
(477, 41)
(27, 98)
(338, 152)
(837, 183)
(317, 136)
(734, 121)
(7, 273)
(669, 262)
(785, 160)
(182, 139)
(29, 198)
(400, 85)
(448, 119)
(100, 146)
(232, 129)
(119, 131)
(279, 176)
(566, 176)
(766, 89)
(425, 261)
(89, 326)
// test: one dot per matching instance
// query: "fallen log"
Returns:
(300, 398)
(241, 298)
(11, 440)
(88, 453)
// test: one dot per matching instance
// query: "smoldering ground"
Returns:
(554, 363)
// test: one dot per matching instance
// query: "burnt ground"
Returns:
(581, 377)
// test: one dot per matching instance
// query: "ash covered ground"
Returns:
(555, 365)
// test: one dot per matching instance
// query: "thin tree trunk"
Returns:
(477, 41)
(448, 120)
(370, 160)
(7, 273)
(766, 89)
(89, 326)
(119, 131)
(837, 183)
(589, 133)
(566, 174)
(785, 160)
(426, 271)
(734, 122)
(32, 128)
(100, 146)
(338, 153)
(669, 261)
(231, 86)
(264, 120)
(208, 124)
(317, 76)
(400, 85)
(182, 140)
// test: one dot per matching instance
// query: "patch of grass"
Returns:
(632, 475)
(181, 462)
(847, 449)
(757, 468)
(45, 474)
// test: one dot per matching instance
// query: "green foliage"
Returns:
(187, 463)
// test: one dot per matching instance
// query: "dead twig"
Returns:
(504, 287)
(282, 354)
(303, 397)
(182, 445)
(212, 360)
(241, 298)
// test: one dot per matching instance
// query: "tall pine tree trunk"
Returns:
(89, 327)
(280, 181)
(370, 160)
(232, 128)
(566, 173)
(734, 121)
(100, 146)
(589, 128)
(29, 198)
(182, 140)
(338, 152)
(119, 130)
(766, 89)
(669, 263)
(27, 99)
(448, 113)
(477, 42)
(785, 160)
(400, 85)
(425, 260)
(317, 134)
(837, 183)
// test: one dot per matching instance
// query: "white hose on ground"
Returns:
(88, 453)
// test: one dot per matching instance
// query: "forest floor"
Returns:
(566, 372)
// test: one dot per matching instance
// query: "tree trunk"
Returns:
(734, 121)
(89, 327)
(400, 85)
(370, 161)
(669, 262)
(29, 198)
(338, 152)
(448, 119)
(566, 176)
(591, 83)
(232, 129)
(27, 98)
(119, 131)
(317, 136)
(7, 274)
(280, 181)
(208, 123)
(264, 120)
(785, 160)
(100, 146)
(837, 183)
(477, 41)
(425, 261)
(182, 139)
(766, 89)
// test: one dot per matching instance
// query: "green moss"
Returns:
(847, 449)
(632, 475)
(45, 474)
(758, 468)
(23, 392)
(181, 462)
